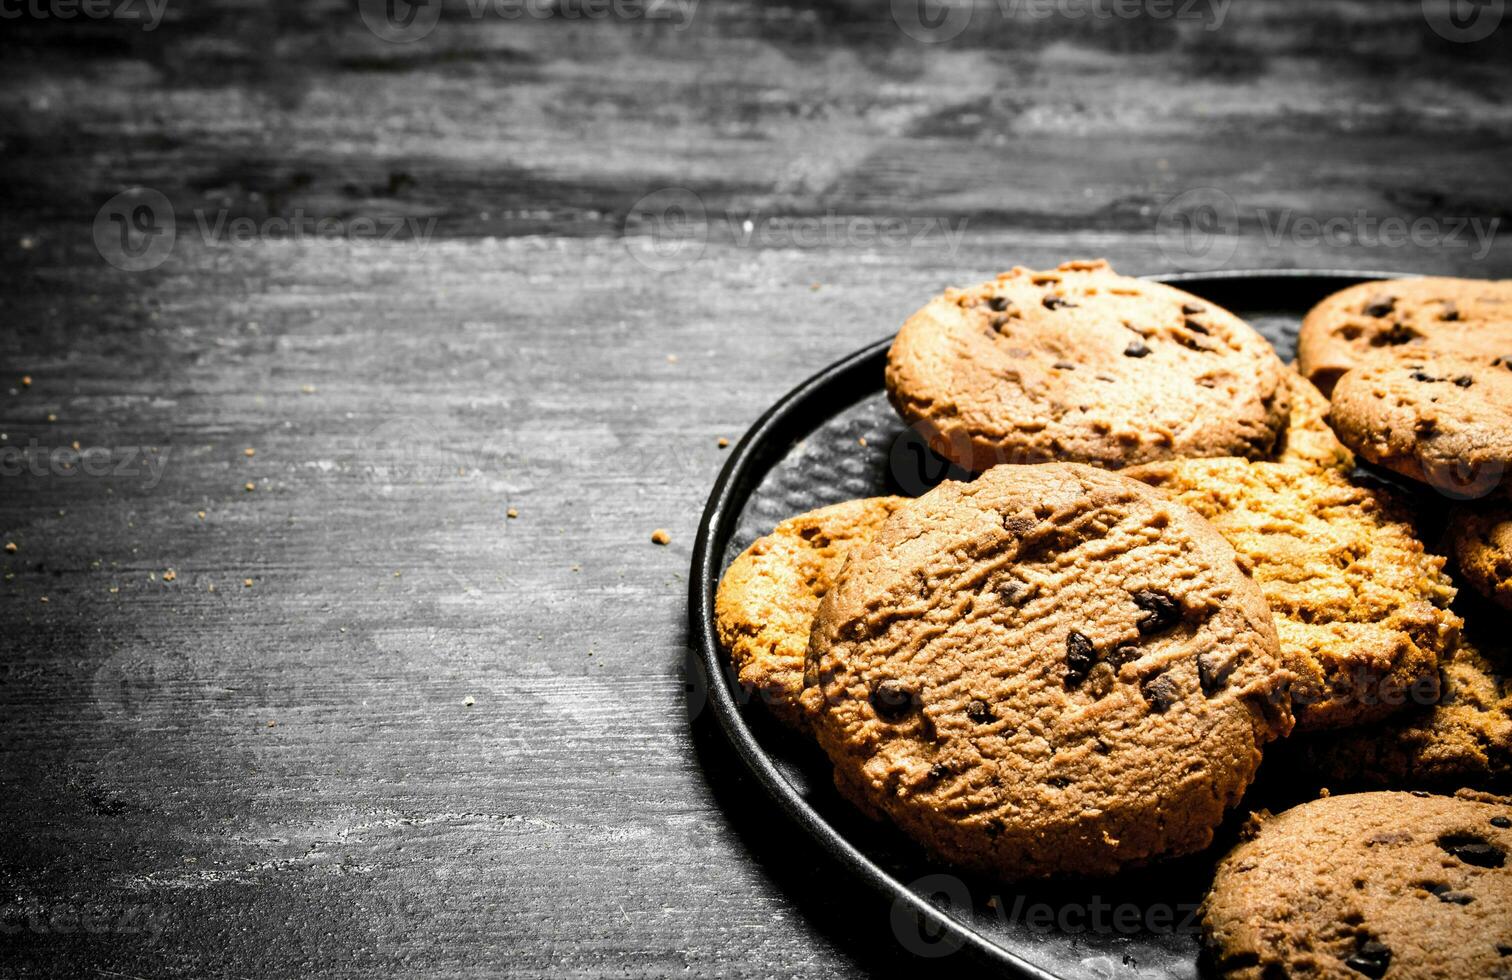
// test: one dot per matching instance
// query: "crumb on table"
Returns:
(660, 536)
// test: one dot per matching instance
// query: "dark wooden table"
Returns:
(283, 687)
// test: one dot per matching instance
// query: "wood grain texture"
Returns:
(286, 777)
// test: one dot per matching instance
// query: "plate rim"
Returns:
(743, 470)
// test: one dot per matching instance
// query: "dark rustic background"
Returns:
(356, 718)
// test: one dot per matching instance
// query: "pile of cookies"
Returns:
(1167, 561)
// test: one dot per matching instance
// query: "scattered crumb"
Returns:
(26, 381)
(249, 452)
(723, 443)
(212, 587)
(660, 536)
(10, 547)
(814, 287)
(27, 243)
(272, 723)
(44, 598)
(671, 358)
(511, 513)
(247, 583)
(577, 568)
(152, 576)
(170, 575)
(250, 486)
(200, 515)
(468, 701)
(307, 389)
(52, 417)
(75, 445)
(861, 441)
(115, 589)
(398, 573)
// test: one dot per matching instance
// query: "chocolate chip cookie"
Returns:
(1482, 542)
(1080, 364)
(1470, 317)
(1308, 438)
(1440, 419)
(768, 596)
(1463, 740)
(1374, 885)
(1361, 608)
(1050, 670)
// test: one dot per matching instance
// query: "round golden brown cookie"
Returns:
(1051, 669)
(1361, 609)
(767, 597)
(1482, 542)
(1083, 365)
(1435, 315)
(1439, 419)
(1308, 438)
(1398, 885)
(1463, 740)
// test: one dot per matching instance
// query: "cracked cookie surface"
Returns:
(1432, 315)
(1439, 419)
(1463, 740)
(1080, 364)
(1308, 438)
(1051, 669)
(1361, 608)
(767, 597)
(1482, 541)
(1399, 885)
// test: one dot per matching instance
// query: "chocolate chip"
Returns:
(938, 771)
(1136, 349)
(1422, 376)
(1371, 958)
(1421, 794)
(978, 711)
(1019, 524)
(1160, 611)
(1065, 366)
(1193, 308)
(1450, 312)
(1501, 822)
(1080, 656)
(1212, 670)
(997, 304)
(1455, 898)
(1054, 302)
(1161, 691)
(1380, 306)
(1123, 655)
(892, 701)
(1398, 334)
(1473, 850)
(1010, 592)
(1196, 327)
(1464, 381)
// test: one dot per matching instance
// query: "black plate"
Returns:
(835, 438)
